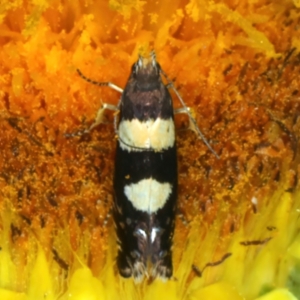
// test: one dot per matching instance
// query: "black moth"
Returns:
(145, 178)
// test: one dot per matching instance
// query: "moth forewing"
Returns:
(145, 180)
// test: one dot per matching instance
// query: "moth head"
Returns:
(146, 69)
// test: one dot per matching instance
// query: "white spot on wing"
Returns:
(153, 233)
(155, 134)
(142, 233)
(148, 195)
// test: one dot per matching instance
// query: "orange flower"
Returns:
(236, 64)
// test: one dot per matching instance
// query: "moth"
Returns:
(145, 176)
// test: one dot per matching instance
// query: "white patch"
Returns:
(254, 200)
(153, 233)
(148, 195)
(142, 233)
(155, 134)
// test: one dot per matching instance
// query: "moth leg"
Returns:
(186, 110)
(100, 115)
(181, 110)
(105, 106)
(193, 126)
(98, 120)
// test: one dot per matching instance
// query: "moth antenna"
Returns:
(109, 84)
(170, 84)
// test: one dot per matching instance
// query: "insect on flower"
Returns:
(145, 177)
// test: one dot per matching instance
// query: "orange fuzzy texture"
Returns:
(235, 64)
